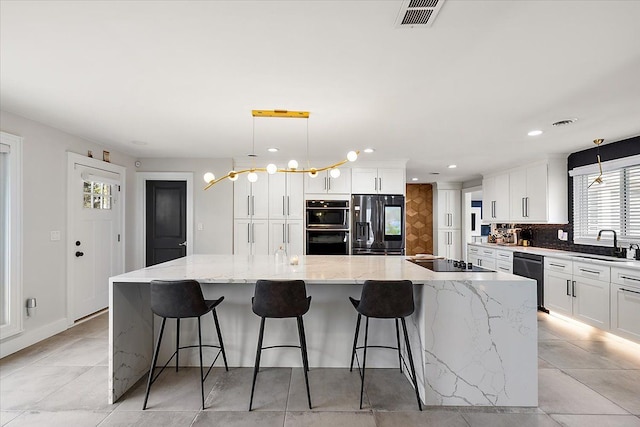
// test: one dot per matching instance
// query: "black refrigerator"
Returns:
(377, 224)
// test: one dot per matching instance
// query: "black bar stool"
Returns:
(384, 299)
(178, 299)
(281, 299)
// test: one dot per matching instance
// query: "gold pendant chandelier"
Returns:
(292, 165)
(598, 179)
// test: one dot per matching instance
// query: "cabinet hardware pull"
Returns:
(590, 271)
(629, 290)
(329, 181)
(557, 265)
(248, 233)
(630, 278)
(380, 186)
(568, 281)
(527, 207)
(375, 184)
(284, 240)
(288, 233)
(253, 205)
(493, 208)
(523, 212)
(573, 289)
(288, 205)
(283, 211)
(248, 205)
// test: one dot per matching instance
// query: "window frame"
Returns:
(588, 173)
(14, 325)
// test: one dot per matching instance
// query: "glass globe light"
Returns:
(313, 172)
(233, 175)
(352, 156)
(208, 177)
(293, 164)
(335, 173)
(271, 168)
(252, 177)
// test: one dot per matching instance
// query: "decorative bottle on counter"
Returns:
(281, 256)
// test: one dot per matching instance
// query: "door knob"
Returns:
(79, 254)
(182, 244)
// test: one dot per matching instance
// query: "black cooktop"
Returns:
(448, 265)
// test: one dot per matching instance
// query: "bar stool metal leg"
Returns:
(355, 341)
(256, 368)
(224, 355)
(201, 369)
(305, 361)
(177, 343)
(153, 363)
(364, 358)
(413, 370)
(398, 340)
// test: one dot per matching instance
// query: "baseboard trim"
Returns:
(25, 339)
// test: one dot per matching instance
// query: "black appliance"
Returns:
(448, 265)
(377, 224)
(327, 227)
(531, 266)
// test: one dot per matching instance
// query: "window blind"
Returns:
(613, 204)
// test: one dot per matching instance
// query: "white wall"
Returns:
(44, 210)
(212, 208)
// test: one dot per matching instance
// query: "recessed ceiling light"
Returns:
(139, 143)
(414, 179)
(369, 150)
(452, 166)
(272, 150)
(564, 122)
(535, 132)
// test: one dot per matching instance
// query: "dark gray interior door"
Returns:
(166, 221)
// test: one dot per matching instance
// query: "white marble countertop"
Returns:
(314, 269)
(574, 256)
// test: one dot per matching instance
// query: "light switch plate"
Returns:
(200, 226)
(55, 236)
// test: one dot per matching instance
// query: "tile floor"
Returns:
(586, 378)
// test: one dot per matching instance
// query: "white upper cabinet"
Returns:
(378, 181)
(251, 200)
(324, 183)
(449, 209)
(535, 193)
(286, 196)
(495, 198)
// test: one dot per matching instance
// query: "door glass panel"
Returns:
(96, 195)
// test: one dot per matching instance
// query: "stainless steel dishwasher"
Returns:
(531, 266)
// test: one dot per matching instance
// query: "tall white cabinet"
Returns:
(447, 220)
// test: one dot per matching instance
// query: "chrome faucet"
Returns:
(617, 252)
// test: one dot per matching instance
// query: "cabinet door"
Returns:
(501, 197)
(242, 237)
(260, 198)
(241, 199)
(449, 209)
(277, 235)
(319, 184)
(277, 196)
(260, 237)
(443, 243)
(364, 181)
(591, 302)
(449, 245)
(504, 266)
(391, 181)
(488, 199)
(455, 244)
(295, 237)
(517, 194)
(557, 292)
(536, 197)
(625, 311)
(295, 196)
(486, 262)
(341, 184)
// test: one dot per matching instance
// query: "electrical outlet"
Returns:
(55, 236)
(200, 226)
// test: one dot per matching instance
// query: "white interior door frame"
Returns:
(72, 160)
(141, 209)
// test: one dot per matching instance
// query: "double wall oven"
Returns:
(327, 227)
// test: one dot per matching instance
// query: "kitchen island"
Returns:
(473, 334)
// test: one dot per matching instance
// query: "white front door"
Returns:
(95, 236)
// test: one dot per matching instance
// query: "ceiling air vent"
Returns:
(418, 13)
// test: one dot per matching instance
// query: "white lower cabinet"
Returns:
(558, 284)
(504, 261)
(251, 237)
(578, 289)
(625, 303)
(288, 234)
(449, 244)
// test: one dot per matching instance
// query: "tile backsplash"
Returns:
(546, 236)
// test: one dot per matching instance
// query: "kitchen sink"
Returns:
(601, 258)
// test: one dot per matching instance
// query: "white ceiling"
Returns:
(183, 77)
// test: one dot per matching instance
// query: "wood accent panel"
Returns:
(419, 221)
